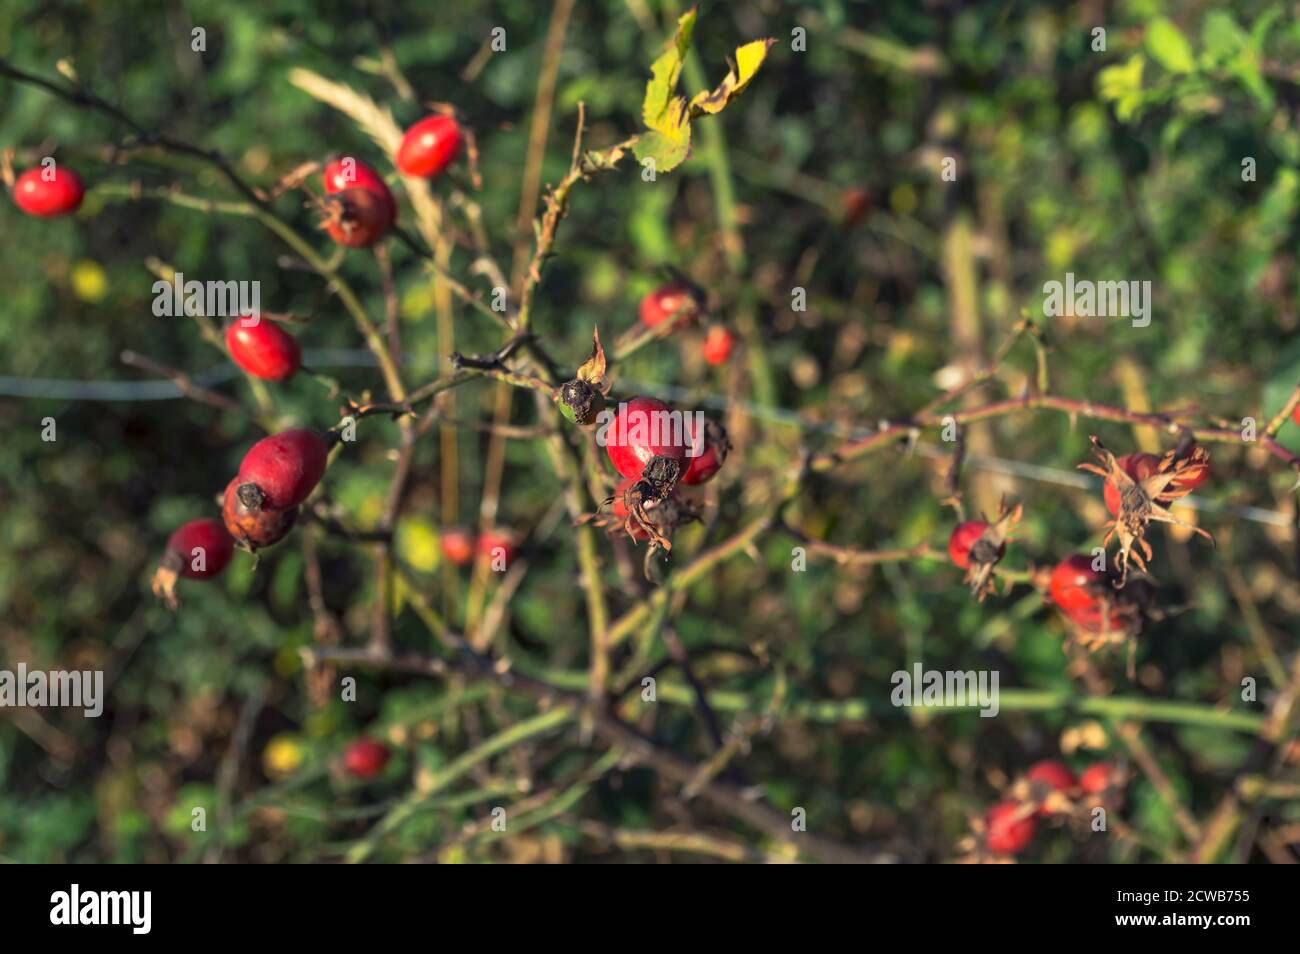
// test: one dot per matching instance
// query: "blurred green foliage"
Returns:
(1122, 163)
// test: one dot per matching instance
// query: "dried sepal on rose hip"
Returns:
(357, 217)
(1146, 500)
(648, 492)
(582, 399)
(614, 517)
(1099, 615)
(977, 546)
(1050, 785)
(198, 550)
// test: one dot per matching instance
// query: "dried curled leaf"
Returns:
(743, 68)
(593, 369)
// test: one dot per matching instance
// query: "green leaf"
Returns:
(748, 59)
(668, 116)
(1166, 43)
(1122, 85)
(662, 109)
(668, 152)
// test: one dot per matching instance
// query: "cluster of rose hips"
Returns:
(1137, 490)
(679, 303)
(259, 506)
(358, 205)
(360, 208)
(656, 460)
(1048, 789)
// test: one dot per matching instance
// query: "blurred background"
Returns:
(1121, 163)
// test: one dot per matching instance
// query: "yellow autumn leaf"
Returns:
(418, 544)
(748, 59)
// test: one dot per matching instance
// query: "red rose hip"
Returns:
(1009, 828)
(718, 344)
(198, 550)
(1073, 585)
(712, 454)
(458, 546)
(673, 300)
(280, 471)
(494, 544)
(365, 758)
(350, 173)
(1097, 778)
(47, 194)
(430, 146)
(963, 537)
(643, 429)
(358, 218)
(1053, 773)
(264, 349)
(254, 528)
(204, 546)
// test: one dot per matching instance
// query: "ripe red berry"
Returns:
(282, 470)
(60, 194)
(458, 546)
(718, 344)
(963, 537)
(494, 544)
(254, 527)
(1054, 772)
(1073, 584)
(350, 173)
(1295, 415)
(644, 428)
(430, 146)
(673, 300)
(358, 218)
(365, 758)
(203, 547)
(1138, 466)
(854, 203)
(264, 350)
(1009, 828)
(713, 453)
(1097, 778)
